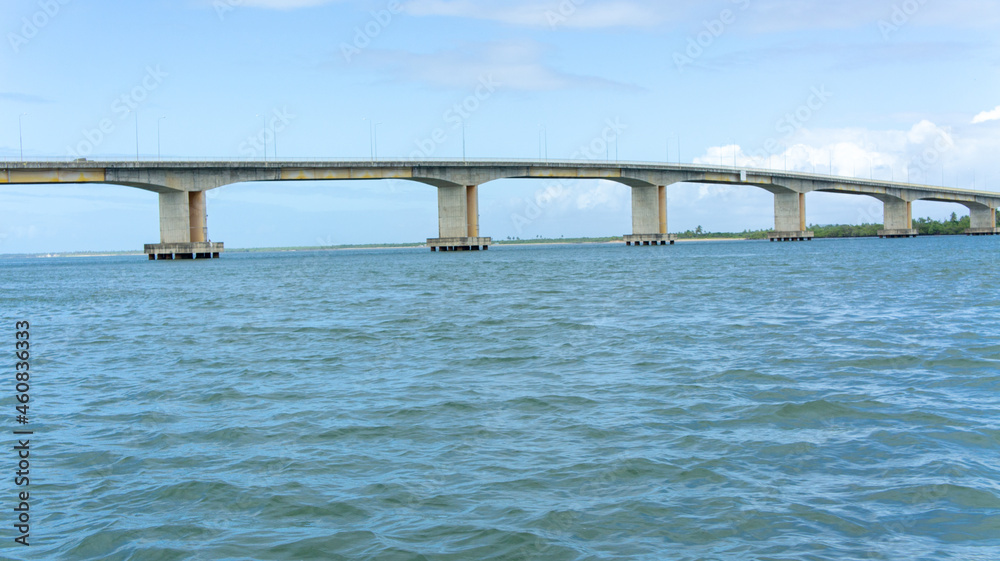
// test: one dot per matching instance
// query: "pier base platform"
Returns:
(983, 232)
(650, 239)
(907, 233)
(800, 236)
(195, 250)
(459, 244)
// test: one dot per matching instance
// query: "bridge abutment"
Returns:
(183, 228)
(458, 220)
(649, 216)
(789, 218)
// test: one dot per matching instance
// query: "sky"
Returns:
(891, 89)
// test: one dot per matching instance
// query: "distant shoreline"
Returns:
(362, 247)
(517, 243)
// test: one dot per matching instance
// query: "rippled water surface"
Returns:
(828, 400)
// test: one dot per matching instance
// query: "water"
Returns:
(711, 401)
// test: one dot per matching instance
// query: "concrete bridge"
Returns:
(182, 186)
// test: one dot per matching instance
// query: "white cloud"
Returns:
(578, 14)
(987, 116)
(285, 4)
(512, 65)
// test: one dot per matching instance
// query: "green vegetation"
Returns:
(954, 226)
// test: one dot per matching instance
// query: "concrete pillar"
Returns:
(789, 212)
(790, 217)
(199, 216)
(458, 220)
(663, 209)
(472, 203)
(898, 214)
(183, 217)
(183, 228)
(982, 217)
(453, 211)
(175, 217)
(649, 217)
(898, 220)
(645, 210)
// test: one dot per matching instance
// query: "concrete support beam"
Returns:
(183, 228)
(649, 216)
(472, 203)
(453, 212)
(175, 217)
(663, 208)
(790, 217)
(898, 221)
(199, 216)
(645, 210)
(983, 221)
(458, 220)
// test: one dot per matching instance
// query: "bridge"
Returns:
(182, 186)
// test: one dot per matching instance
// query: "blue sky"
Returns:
(869, 87)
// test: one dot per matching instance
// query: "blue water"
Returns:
(707, 401)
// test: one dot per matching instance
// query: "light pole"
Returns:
(20, 134)
(158, 154)
(371, 137)
(265, 135)
(463, 140)
(375, 141)
(136, 111)
(544, 140)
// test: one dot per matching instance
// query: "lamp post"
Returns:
(158, 153)
(463, 140)
(375, 141)
(265, 135)
(136, 111)
(371, 137)
(544, 140)
(20, 134)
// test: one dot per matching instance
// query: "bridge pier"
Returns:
(649, 217)
(183, 228)
(790, 218)
(458, 220)
(983, 220)
(898, 222)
